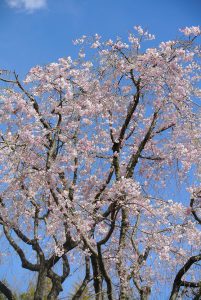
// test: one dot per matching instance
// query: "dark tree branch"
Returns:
(109, 233)
(97, 278)
(165, 128)
(151, 158)
(130, 113)
(104, 185)
(66, 268)
(191, 284)
(25, 263)
(67, 246)
(57, 280)
(134, 158)
(105, 273)
(194, 212)
(34, 243)
(85, 281)
(6, 291)
(178, 279)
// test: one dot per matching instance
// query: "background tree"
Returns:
(88, 149)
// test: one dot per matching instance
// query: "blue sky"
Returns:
(36, 32)
(31, 36)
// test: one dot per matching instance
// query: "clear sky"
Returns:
(40, 31)
(36, 32)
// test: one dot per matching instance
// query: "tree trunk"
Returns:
(55, 290)
(97, 278)
(174, 295)
(123, 295)
(175, 291)
(122, 245)
(41, 283)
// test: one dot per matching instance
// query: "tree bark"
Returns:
(41, 282)
(122, 244)
(55, 290)
(145, 293)
(178, 279)
(6, 291)
(97, 278)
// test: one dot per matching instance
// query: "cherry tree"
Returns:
(89, 151)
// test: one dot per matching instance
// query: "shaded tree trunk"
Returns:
(6, 291)
(55, 290)
(97, 278)
(41, 282)
(122, 244)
